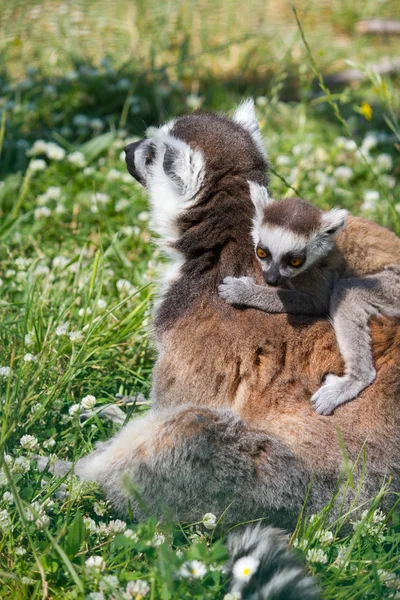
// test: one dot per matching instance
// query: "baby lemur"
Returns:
(312, 267)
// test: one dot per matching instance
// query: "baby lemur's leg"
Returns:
(354, 301)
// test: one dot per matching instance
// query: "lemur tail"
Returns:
(262, 567)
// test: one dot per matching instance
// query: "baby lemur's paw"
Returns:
(338, 390)
(236, 290)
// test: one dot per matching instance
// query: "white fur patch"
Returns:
(172, 194)
(260, 198)
(245, 115)
(334, 219)
(278, 240)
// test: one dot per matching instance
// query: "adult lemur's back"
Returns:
(232, 423)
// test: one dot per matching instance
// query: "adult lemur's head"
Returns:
(291, 235)
(181, 162)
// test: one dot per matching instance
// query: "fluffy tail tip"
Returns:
(263, 568)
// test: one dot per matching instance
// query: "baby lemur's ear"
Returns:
(245, 115)
(333, 221)
(261, 198)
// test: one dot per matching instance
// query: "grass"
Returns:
(77, 265)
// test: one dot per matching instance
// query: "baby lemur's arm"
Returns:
(246, 292)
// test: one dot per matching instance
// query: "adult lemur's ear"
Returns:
(333, 221)
(181, 167)
(260, 198)
(245, 115)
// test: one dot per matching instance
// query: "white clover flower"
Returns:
(101, 304)
(74, 410)
(88, 402)
(95, 596)
(193, 568)
(158, 539)
(128, 230)
(77, 159)
(22, 465)
(80, 120)
(369, 142)
(29, 338)
(10, 273)
(342, 558)
(42, 211)
(97, 125)
(125, 287)
(60, 208)
(194, 102)
(55, 152)
(28, 442)
(75, 336)
(109, 582)
(8, 459)
(30, 357)
(90, 524)
(343, 173)
(371, 198)
(5, 521)
(143, 216)
(41, 270)
(300, 543)
(88, 170)
(37, 164)
(137, 589)
(232, 596)
(95, 563)
(131, 535)
(27, 580)
(317, 555)
(113, 175)
(282, 160)
(20, 551)
(5, 371)
(350, 145)
(121, 205)
(100, 508)
(245, 567)
(1, 282)
(8, 497)
(47, 444)
(116, 526)
(378, 516)
(59, 262)
(22, 263)
(62, 329)
(100, 198)
(42, 522)
(84, 312)
(209, 520)
(324, 536)
(39, 147)
(384, 162)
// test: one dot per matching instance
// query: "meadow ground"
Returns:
(77, 264)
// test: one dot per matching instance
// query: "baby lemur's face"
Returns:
(291, 235)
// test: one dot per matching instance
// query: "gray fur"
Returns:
(279, 574)
(319, 289)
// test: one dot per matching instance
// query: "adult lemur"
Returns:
(320, 272)
(232, 424)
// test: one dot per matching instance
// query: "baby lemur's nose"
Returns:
(130, 148)
(271, 279)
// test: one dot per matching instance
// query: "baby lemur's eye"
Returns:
(296, 262)
(261, 253)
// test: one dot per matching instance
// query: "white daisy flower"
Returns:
(245, 567)
(193, 568)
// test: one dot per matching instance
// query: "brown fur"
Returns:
(293, 214)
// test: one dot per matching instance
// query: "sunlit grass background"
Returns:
(77, 82)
